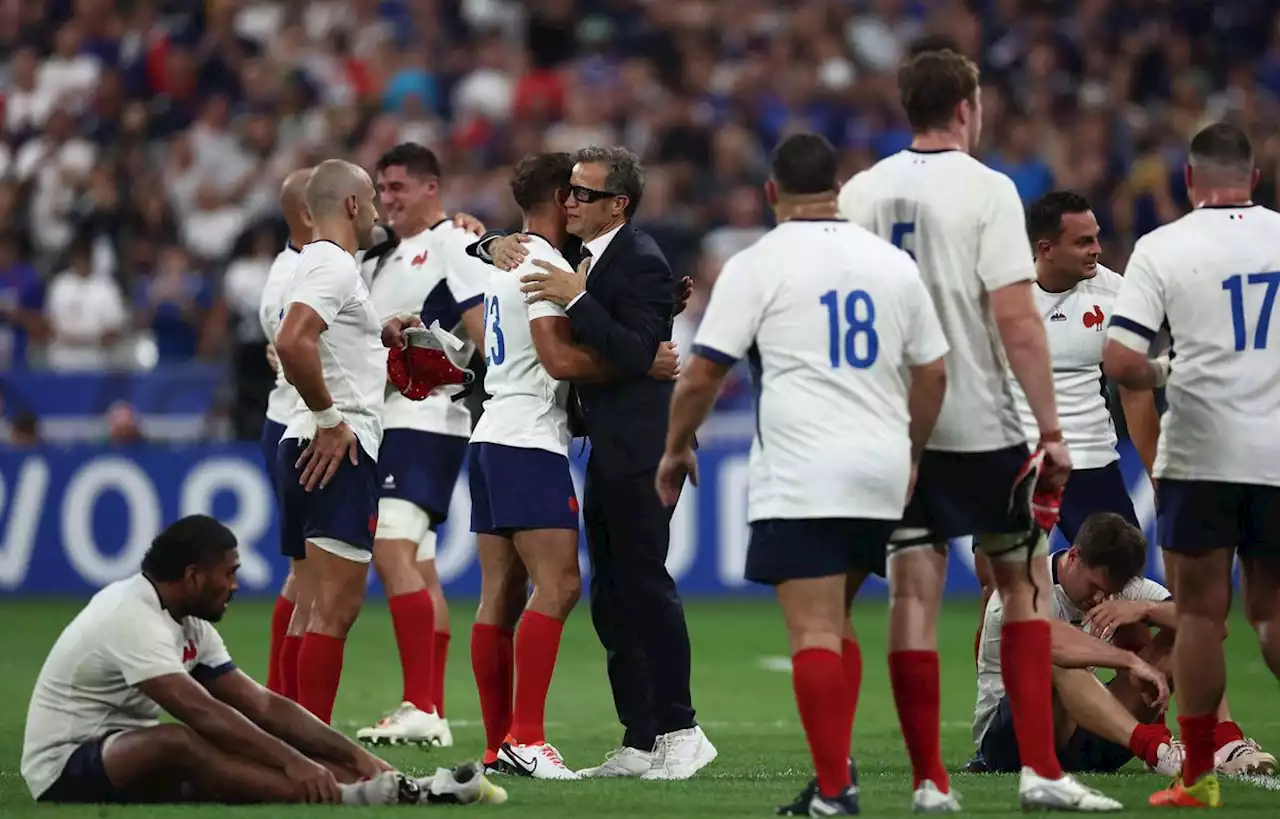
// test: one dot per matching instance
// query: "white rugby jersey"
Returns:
(526, 407)
(990, 683)
(1075, 322)
(830, 317)
(427, 275)
(88, 684)
(283, 402)
(327, 279)
(1214, 276)
(963, 223)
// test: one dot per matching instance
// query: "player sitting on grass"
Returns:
(146, 644)
(1106, 615)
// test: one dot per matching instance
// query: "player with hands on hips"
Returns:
(330, 349)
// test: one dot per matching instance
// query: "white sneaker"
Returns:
(621, 762)
(464, 785)
(541, 761)
(405, 725)
(387, 788)
(680, 754)
(928, 799)
(1169, 758)
(1037, 793)
(1243, 756)
(446, 735)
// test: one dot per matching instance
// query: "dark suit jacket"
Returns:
(625, 314)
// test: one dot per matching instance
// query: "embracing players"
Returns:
(524, 509)
(1213, 277)
(963, 224)
(829, 475)
(426, 273)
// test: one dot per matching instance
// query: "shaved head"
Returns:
(339, 197)
(332, 184)
(293, 200)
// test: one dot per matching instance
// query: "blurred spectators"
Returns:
(144, 140)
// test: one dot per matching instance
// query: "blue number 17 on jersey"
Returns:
(844, 346)
(1235, 286)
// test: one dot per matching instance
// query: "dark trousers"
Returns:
(635, 606)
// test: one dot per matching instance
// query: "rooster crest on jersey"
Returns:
(1095, 320)
(422, 365)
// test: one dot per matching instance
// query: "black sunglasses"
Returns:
(588, 195)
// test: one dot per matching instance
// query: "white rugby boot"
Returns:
(1243, 756)
(407, 725)
(463, 785)
(929, 799)
(540, 760)
(1037, 793)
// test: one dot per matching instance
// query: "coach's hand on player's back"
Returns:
(508, 252)
(319, 462)
(666, 364)
(316, 780)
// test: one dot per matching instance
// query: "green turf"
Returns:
(744, 703)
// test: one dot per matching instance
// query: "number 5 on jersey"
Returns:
(858, 344)
(496, 351)
(904, 237)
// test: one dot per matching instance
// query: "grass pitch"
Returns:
(741, 688)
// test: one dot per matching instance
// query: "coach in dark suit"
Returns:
(620, 301)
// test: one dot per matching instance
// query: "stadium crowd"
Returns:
(142, 142)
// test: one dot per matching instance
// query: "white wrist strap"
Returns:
(327, 418)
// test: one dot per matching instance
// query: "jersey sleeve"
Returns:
(324, 288)
(140, 647)
(733, 314)
(466, 275)
(926, 341)
(212, 658)
(1004, 251)
(1140, 308)
(546, 309)
(1146, 590)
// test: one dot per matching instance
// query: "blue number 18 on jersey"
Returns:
(844, 345)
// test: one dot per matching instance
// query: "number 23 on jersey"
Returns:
(496, 345)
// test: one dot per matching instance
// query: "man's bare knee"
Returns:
(394, 563)
(560, 592)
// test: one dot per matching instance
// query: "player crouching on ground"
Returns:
(147, 643)
(1106, 615)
